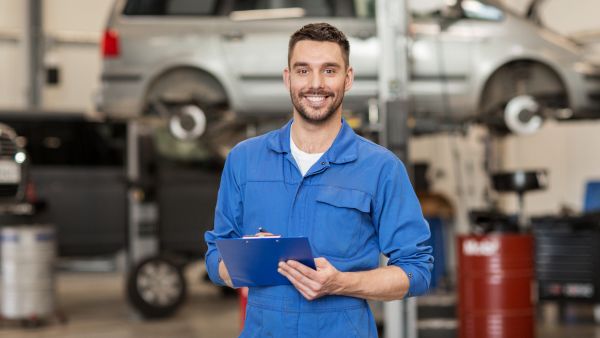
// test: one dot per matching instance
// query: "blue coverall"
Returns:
(353, 204)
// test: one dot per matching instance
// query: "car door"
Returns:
(256, 43)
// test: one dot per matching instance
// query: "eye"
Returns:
(302, 71)
(329, 71)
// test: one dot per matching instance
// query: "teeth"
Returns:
(315, 99)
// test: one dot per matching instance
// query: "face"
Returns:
(317, 78)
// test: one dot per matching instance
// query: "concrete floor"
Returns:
(96, 308)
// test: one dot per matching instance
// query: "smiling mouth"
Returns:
(316, 100)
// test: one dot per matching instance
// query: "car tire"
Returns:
(156, 287)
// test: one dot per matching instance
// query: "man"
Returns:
(315, 177)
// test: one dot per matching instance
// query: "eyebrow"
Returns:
(300, 64)
(332, 64)
(325, 65)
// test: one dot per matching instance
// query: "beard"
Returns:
(312, 115)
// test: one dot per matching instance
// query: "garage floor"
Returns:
(95, 306)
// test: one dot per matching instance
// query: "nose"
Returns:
(316, 80)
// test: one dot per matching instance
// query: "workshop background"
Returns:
(121, 201)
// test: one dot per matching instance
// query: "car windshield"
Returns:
(531, 14)
(474, 9)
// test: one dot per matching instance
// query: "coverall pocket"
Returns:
(339, 219)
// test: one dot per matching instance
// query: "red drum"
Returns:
(495, 286)
(243, 294)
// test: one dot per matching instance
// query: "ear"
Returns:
(349, 78)
(286, 77)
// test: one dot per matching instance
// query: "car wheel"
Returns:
(156, 287)
(199, 132)
(514, 91)
(194, 108)
(189, 123)
(522, 115)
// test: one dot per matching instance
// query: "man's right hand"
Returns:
(265, 234)
(224, 274)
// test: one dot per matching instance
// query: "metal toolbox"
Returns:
(567, 257)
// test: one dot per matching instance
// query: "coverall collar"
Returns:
(343, 150)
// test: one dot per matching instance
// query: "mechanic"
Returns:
(316, 178)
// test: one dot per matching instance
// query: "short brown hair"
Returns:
(320, 32)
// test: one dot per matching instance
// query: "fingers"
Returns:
(322, 263)
(300, 273)
(310, 283)
(305, 270)
(264, 234)
(304, 290)
(224, 274)
(308, 287)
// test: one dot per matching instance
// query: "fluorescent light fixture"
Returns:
(265, 14)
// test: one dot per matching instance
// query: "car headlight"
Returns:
(20, 157)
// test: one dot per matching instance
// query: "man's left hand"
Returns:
(312, 284)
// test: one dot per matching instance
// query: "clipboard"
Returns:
(253, 261)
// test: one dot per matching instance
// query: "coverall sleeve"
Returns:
(402, 228)
(228, 218)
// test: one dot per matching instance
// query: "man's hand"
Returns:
(224, 274)
(312, 284)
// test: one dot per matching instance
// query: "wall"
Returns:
(77, 28)
(13, 73)
(73, 30)
(569, 151)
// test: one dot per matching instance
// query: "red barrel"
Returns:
(495, 283)
(243, 293)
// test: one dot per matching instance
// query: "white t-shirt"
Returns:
(304, 160)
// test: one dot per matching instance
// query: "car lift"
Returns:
(400, 317)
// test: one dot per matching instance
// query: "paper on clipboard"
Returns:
(254, 261)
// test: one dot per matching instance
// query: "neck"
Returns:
(315, 138)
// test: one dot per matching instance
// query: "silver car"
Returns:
(197, 62)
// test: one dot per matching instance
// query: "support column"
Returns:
(400, 317)
(34, 47)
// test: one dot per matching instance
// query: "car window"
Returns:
(479, 11)
(428, 10)
(364, 9)
(171, 7)
(314, 8)
(311, 7)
